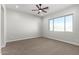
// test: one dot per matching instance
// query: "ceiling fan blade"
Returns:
(45, 8)
(34, 10)
(44, 11)
(37, 6)
(38, 12)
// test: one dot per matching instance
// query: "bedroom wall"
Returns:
(69, 37)
(22, 26)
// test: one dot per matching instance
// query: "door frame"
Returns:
(4, 8)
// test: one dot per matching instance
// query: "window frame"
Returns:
(64, 23)
(49, 24)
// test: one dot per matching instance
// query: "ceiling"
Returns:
(29, 7)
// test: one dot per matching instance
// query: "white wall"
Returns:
(70, 37)
(22, 26)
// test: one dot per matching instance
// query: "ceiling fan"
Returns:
(40, 9)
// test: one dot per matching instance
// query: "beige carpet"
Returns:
(40, 46)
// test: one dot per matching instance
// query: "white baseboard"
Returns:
(73, 43)
(22, 39)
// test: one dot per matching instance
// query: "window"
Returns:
(59, 24)
(62, 24)
(68, 23)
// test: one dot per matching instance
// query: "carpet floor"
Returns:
(39, 46)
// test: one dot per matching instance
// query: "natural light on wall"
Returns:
(61, 24)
